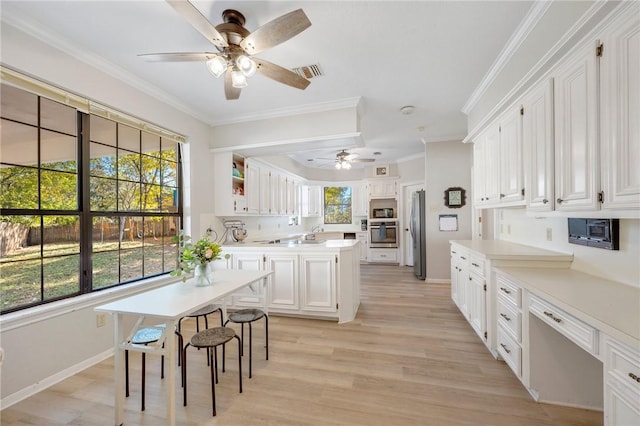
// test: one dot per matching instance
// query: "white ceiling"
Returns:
(429, 54)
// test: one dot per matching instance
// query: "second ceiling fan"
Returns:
(235, 46)
(344, 159)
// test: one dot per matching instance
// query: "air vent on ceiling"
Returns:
(309, 71)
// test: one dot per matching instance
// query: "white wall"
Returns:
(448, 164)
(621, 265)
(58, 344)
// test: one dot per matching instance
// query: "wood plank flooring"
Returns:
(409, 358)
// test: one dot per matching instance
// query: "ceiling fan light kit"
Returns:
(235, 45)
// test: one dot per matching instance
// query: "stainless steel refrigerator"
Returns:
(418, 234)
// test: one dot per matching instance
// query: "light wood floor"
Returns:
(409, 358)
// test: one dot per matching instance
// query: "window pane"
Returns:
(130, 232)
(19, 237)
(171, 225)
(18, 143)
(169, 149)
(18, 188)
(61, 236)
(337, 214)
(153, 245)
(58, 117)
(105, 269)
(169, 202)
(337, 205)
(128, 138)
(105, 257)
(128, 196)
(59, 190)
(128, 166)
(58, 151)
(61, 276)
(102, 130)
(130, 264)
(169, 173)
(18, 105)
(19, 283)
(151, 197)
(150, 169)
(103, 160)
(150, 144)
(103, 194)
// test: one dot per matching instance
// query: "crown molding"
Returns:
(289, 111)
(51, 38)
(448, 138)
(535, 13)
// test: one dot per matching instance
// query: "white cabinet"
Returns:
(283, 284)
(383, 255)
(576, 138)
(363, 237)
(621, 384)
(318, 282)
(282, 194)
(382, 188)
(253, 262)
(265, 192)
(510, 154)
(509, 317)
(537, 138)
(311, 201)
(468, 288)
(229, 187)
(359, 199)
(252, 188)
(619, 112)
(487, 167)
(459, 276)
(476, 294)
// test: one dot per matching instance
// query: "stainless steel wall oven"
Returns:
(383, 234)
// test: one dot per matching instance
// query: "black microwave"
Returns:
(600, 233)
(385, 213)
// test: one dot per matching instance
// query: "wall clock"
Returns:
(454, 197)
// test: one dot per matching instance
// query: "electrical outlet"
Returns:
(101, 320)
(549, 234)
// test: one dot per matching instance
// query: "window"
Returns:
(85, 202)
(337, 205)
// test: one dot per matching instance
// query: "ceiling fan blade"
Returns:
(275, 32)
(230, 92)
(197, 20)
(178, 56)
(280, 74)
(361, 160)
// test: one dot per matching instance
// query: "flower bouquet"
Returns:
(196, 258)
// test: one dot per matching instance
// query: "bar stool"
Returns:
(202, 312)
(211, 338)
(248, 316)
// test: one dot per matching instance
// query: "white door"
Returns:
(407, 241)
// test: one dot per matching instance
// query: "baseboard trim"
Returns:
(33, 389)
(437, 281)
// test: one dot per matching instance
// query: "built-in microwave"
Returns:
(601, 233)
(385, 213)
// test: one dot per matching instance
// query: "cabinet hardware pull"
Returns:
(545, 201)
(505, 317)
(463, 258)
(634, 377)
(505, 290)
(502, 195)
(505, 348)
(454, 252)
(550, 315)
(475, 264)
(559, 200)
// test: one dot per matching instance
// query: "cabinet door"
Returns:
(282, 195)
(618, 411)
(252, 190)
(511, 167)
(477, 304)
(382, 188)
(251, 262)
(537, 135)
(311, 203)
(576, 123)
(619, 111)
(455, 292)
(318, 282)
(265, 192)
(359, 200)
(492, 164)
(479, 173)
(274, 193)
(364, 245)
(283, 283)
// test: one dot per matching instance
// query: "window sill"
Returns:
(47, 311)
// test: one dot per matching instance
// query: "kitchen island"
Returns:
(310, 278)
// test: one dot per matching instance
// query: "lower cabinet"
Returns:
(383, 255)
(283, 284)
(621, 384)
(318, 282)
(363, 237)
(247, 298)
(509, 310)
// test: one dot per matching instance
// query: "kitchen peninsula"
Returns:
(310, 278)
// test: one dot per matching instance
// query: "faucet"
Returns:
(315, 228)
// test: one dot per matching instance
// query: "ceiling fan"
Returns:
(235, 46)
(344, 159)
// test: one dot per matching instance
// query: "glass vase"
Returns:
(203, 274)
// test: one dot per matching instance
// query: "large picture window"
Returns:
(85, 202)
(337, 205)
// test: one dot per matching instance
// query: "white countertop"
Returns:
(505, 250)
(610, 306)
(326, 244)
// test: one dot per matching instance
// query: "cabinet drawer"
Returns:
(510, 351)
(579, 332)
(510, 318)
(383, 255)
(459, 254)
(622, 366)
(510, 291)
(476, 265)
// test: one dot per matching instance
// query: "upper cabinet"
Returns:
(578, 130)
(359, 199)
(229, 188)
(620, 112)
(382, 188)
(311, 201)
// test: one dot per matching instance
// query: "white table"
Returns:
(167, 305)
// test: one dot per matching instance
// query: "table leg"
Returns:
(170, 349)
(265, 304)
(119, 369)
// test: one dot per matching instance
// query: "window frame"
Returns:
(348, 206)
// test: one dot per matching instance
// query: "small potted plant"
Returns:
(196, 258)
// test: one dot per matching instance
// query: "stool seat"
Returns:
(209, 309)
(246, 315)
(211, 337)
